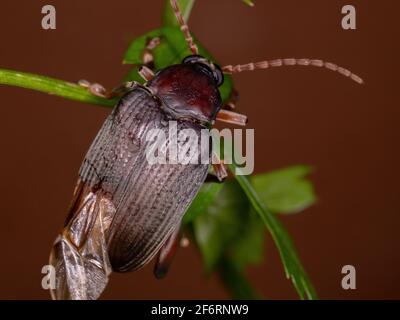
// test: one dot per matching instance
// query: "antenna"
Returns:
(184, 27)
(292, 62)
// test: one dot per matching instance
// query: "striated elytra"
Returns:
(124, 208)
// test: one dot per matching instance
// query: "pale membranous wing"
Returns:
(127, 207)
(79, 254)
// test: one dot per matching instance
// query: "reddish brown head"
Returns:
(190, 89)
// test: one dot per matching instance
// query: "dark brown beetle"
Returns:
(126, 210)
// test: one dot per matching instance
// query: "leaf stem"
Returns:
(51, 86)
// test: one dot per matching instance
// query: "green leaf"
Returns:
(248, 248)
(52, 86)
(203, 200)
(135, 50)
(293, 267)
(172, 50)
(228, 234)
(169, 19)
(249, 3)
(286, 190)
(225, 226)
(233, 279)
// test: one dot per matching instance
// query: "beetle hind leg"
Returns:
(167, 252)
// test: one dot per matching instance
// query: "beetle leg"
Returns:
(167, 253)
(147, 55)
(146, 70)
(227, 115)
(146, 73)
(218, 175)
(99, 90)
(231, 117)
(219, 168)
(220, 171)
(232, 101)
(212, 177)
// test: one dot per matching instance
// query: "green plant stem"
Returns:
(249, 2)
(51, 86)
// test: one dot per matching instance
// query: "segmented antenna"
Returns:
(292, 62)
(184, 27)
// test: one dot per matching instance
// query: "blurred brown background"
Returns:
(349, 133)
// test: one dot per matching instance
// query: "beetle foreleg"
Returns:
(146, 70)
(146, 73)
(147, 55)
(99, 90)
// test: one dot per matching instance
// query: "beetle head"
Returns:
(190, 90)
(212, 70)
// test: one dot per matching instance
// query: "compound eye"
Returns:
(218, 75)
(193, 59)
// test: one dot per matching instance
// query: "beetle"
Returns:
(126, 210)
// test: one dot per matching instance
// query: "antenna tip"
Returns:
(357, 79)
